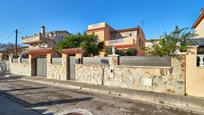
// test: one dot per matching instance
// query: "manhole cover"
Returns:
(76, 112)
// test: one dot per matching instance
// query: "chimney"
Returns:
(42, 31)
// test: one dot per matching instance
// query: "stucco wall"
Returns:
(152, 78)
(200, 29)
(194, 74)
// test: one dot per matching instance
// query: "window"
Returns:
(61, 37)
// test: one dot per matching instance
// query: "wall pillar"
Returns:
(31, 64)
(80, 57)
(11, 58)
(20, 58)
(178, 73)
(113, 59)
(65, 66)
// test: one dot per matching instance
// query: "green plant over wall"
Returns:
(88, 42)
(128, 52)
(131, 52)
(167, 44)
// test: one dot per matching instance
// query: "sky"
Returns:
(158, 16)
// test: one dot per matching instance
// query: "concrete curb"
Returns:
(178, 103)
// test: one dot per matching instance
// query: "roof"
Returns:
(40, 51)
(200, 18)
(72, 50)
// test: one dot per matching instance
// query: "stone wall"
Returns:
(19, 68)
(57, 71)
(149, 78)
(89, 73)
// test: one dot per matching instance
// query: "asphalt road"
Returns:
(22, 98)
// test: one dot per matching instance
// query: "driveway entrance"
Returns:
(42, 66)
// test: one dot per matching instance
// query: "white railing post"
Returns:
(201, 63)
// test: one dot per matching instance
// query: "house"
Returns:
(151, 42)
(120, 39)
(198, 26)
(44, 39)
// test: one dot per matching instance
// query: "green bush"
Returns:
(108, 51)
(131, 52)
(120, 52)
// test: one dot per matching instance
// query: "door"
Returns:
(71, 68)
(42, 66)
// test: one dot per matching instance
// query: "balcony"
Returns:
(37, 38)
(121, 41)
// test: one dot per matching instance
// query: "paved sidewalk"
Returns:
(184, 102)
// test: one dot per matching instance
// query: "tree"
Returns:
(88, 42)
(7, 47)
(167, 44)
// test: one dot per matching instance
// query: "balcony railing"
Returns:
(200, 60)
(33, 39)
(118, 41)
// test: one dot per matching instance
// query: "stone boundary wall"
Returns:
(56, 70)
(19, 68)
(149, 78)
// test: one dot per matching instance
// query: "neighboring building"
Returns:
(44, 39)
(149, 45)
(198, 26)
(121, 39)
(151, 42)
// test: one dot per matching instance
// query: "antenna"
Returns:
(142, 22)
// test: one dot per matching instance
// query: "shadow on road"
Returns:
(29, 106)
(31, 88)
(61, 101)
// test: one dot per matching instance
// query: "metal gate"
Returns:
(71, 68)
(42, 67)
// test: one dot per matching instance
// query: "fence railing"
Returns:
(145, 61)
(95, 60)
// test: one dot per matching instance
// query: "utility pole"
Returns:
(16, 42)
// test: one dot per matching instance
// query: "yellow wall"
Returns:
(194, 75)
(200, 29)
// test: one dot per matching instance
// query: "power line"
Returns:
(48, 19)
(5, 38)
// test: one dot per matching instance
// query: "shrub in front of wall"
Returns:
(131, 52)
